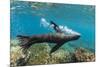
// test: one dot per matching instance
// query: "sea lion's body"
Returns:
(52, 38)
(59, 38)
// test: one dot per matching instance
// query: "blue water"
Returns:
(25, 20)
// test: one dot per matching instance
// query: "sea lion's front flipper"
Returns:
(56, 27)
(56, 47)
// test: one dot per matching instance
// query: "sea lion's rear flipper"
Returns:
(56, 47)
(23, 40)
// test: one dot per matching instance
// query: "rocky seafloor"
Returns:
(39, 54)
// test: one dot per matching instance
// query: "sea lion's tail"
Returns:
(23, 40)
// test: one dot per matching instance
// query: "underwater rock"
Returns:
(17, 57)
(14, 42)
(60, 56)
(83, 55)
(39, 53)
(17, 54)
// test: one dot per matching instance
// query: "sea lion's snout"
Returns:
(78, 36)
(75, 37)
